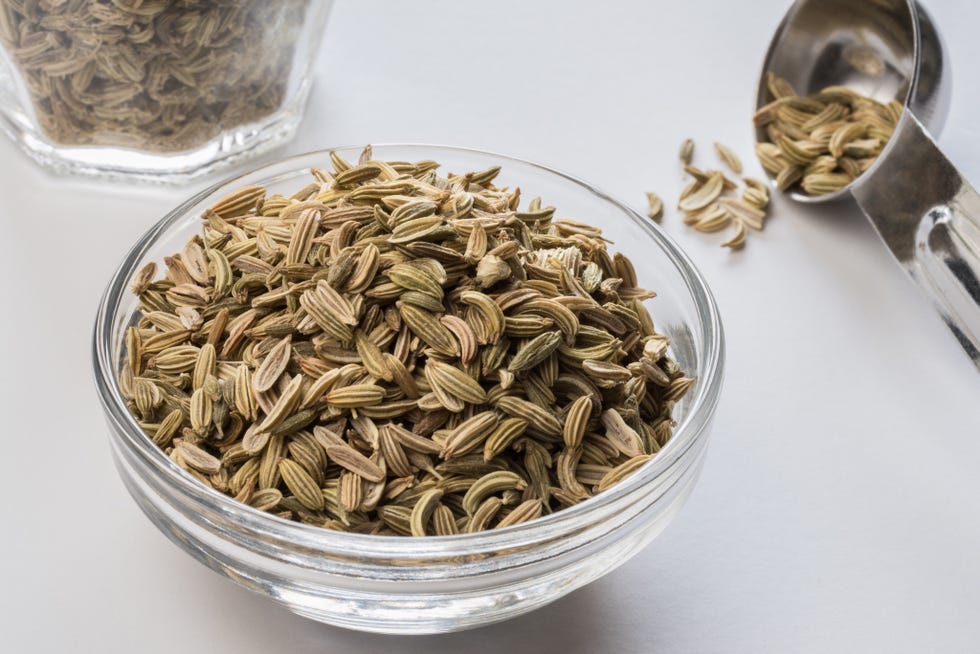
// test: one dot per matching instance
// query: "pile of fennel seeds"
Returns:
(393, 351)
(820, 143)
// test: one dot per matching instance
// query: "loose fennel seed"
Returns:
(655, 207)
(728, 157)
(686, 153)
(394, 351)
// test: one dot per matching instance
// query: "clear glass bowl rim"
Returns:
(687, 433)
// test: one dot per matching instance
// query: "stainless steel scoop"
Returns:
(924, 210)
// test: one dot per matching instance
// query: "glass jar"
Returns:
(159, 90)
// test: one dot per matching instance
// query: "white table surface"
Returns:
(839, 509)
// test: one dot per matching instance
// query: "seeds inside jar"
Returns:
(157, 76)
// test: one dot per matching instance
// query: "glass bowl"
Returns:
(161, 91)
(433, 584)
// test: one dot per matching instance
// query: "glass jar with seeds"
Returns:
(398, 354)
(160, 90)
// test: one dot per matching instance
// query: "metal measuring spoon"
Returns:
(924, 210)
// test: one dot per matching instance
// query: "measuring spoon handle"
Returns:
(929, 216)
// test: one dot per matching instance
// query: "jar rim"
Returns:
(688, 432)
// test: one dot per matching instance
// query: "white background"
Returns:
(839, 509)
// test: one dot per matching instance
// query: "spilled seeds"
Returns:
(710, 201)
(394, 351)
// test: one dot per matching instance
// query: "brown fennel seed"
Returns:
(197, 458)
(576, 422)
(686, 153)
(273, 365)
(655, 207)
(528, 510)
(728, 157)
(345, 357)
(423, 509)
(301, 484)
(705, 194)
(737, 241)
